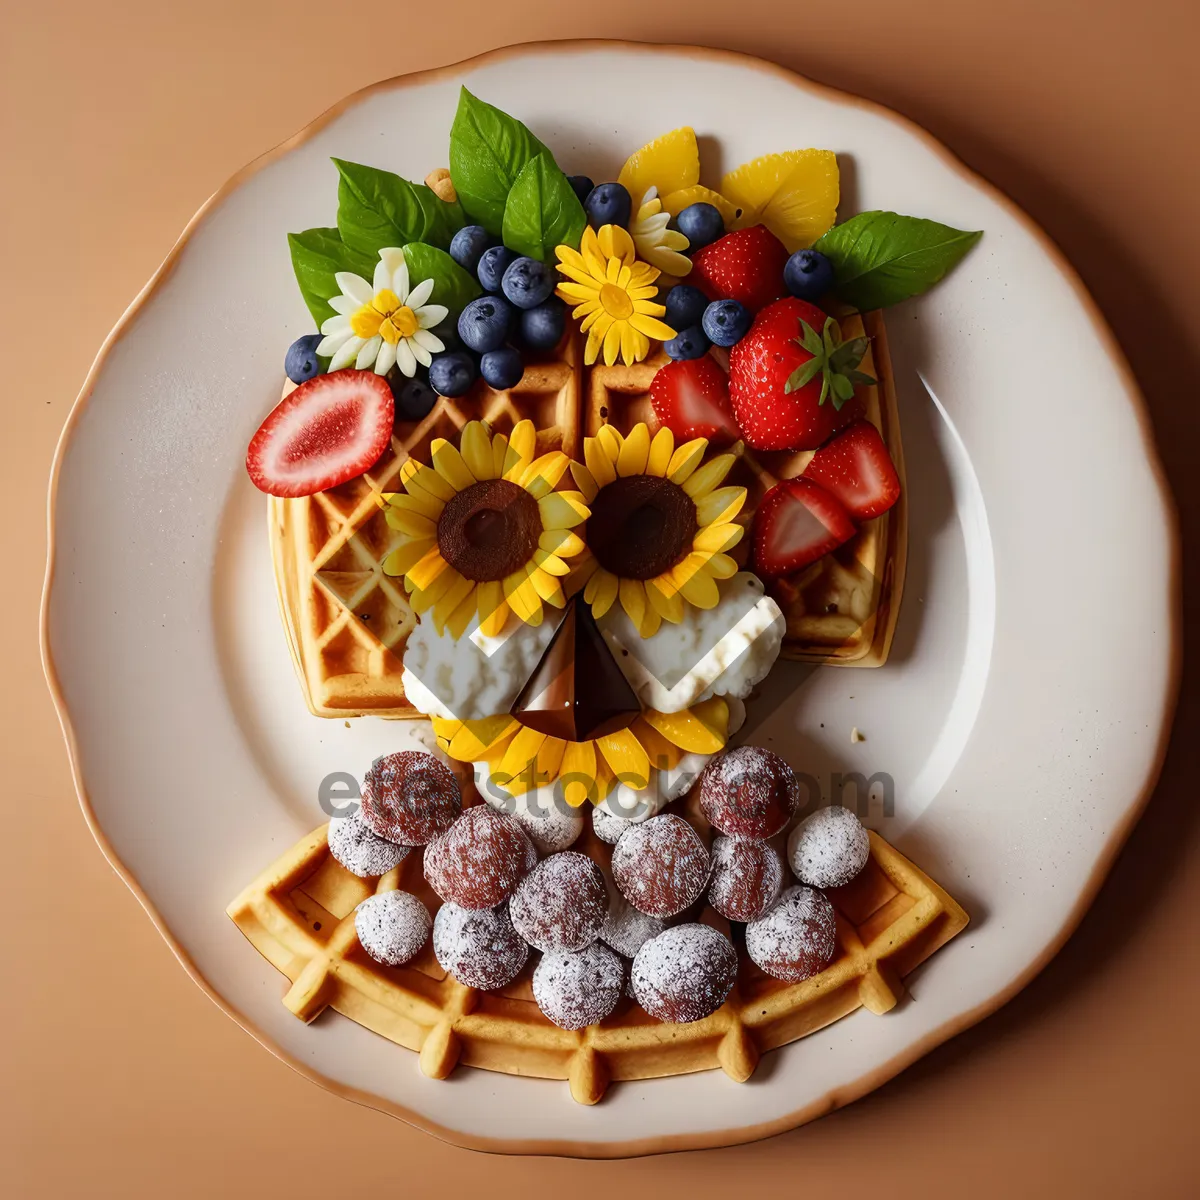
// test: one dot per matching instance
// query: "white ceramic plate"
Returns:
(1021, 715)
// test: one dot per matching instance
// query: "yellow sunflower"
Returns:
(613, 295)
(660, 524)
(483, 530)
(520, 759)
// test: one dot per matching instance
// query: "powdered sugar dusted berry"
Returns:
(660, 865)
(478, 946)
(685, 973)
(561, 904)
(608, 827)
(746, 877)
(829, 848)
(748, 792)
(480, 859)
(362, 851)
(410, 797)
(392, 926)
(577, 988)
(625, 929)
(797, 938)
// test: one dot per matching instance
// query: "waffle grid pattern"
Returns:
(841, 610)
(299, 914)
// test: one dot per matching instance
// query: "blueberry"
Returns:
(808, 274)
(608, 204)
(301, 362)
(701, 224)
(688, 343)
(484, 323)
(414, 398)
(685, 306)
(467, 245)
(582, 186)
(492, 265)
(726, 322)
(502, 369)
(542, 327)
(528, 282)
(452, 374)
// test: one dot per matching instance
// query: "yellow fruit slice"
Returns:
(795, 194)
(675, 202)
(669, 163)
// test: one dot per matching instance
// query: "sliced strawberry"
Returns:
(327, 431)
(796, 523)
(857, 469)
(691, 398)
(746, 266)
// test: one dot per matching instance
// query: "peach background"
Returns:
(121, 1079)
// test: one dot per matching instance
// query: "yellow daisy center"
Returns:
(385, 316)
(616, 302)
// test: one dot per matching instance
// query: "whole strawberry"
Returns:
(746, 266)
(792, 378)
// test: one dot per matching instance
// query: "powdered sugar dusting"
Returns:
(478, 946)
(661, 865)
(362, 851)
(607, 826)
(746, 877)
(480, 859)
(577, 988)
(797, 938)
(561, 904)
(829, 848)
(749, 791)
(392, 926)
(625, 929)
(685, 973)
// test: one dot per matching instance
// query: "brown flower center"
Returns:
(641, 526)
(489, 530)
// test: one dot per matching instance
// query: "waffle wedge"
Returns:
(299, 914)
(346, 621)
(842, 610)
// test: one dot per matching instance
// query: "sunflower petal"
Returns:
(450, 465)
(633, 600)
(599, 461)
(694, 582)
(416, 475)
(661, 450)
(578, 772)
(493, 608)
(476, 448)
(721, 566)
(522, 441)
(458, 591)
(652, 327)
(584, 480)
(686, 459)
(668, 604)
(718, 538)
(720, 506)
(405, 520)
(422, 574)
(603, 586)
(542, 475)
(563, 510)
(562, 542)
(709, 476)
(418, 501)
(628, 760)
(403, 558)
(476, 740)
(634, 451)
(699, 730)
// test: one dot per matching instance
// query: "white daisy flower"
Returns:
(656, 244)
(382, 324)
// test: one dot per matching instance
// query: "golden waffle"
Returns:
(841, 610)
(299, 914)
(346, 620)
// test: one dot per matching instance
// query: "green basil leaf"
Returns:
(378, 209)
(881, 258)
(452, 286)
(488, 150)
(542, 211)
(317, 256)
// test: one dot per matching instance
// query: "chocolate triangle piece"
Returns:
(577, 691)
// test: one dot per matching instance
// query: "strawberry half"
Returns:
(796, 523)
(746, 266)
(857, 469)
(327, 431)
(792, 378)
(691, 398)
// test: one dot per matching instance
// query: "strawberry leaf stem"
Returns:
(834, 360)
